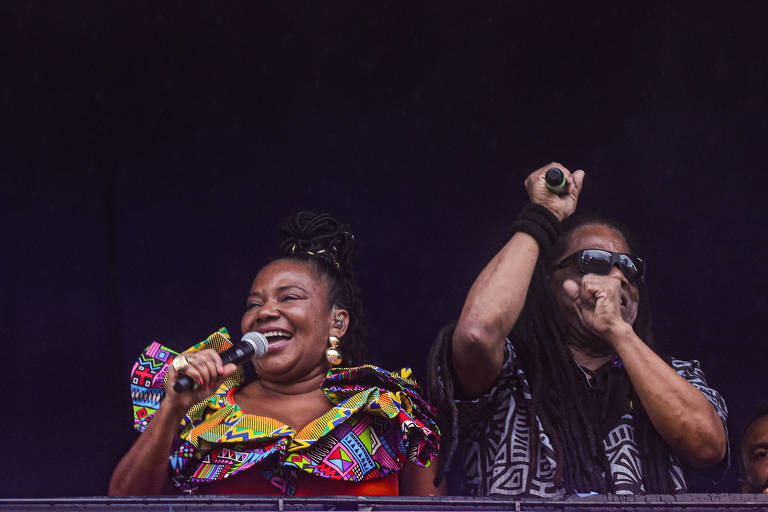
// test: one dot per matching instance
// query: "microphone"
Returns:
(252, 344)
(555, 181)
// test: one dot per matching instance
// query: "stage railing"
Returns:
(647, 503)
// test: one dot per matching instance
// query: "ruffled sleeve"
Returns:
(149, 372)
(392, 396)
(378, 421)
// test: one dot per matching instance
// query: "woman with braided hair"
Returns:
(549, 383)
(301, 424)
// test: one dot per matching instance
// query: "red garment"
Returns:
(253, 482)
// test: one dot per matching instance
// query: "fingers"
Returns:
(561, 205)
(536, 178)
(595, 286)
(592, 289)
(601, 295)
(205, 368)
(571, 288)
(227, 370)
(574, 183)
(542, 171)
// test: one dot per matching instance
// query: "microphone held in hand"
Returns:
(555, 181)
(252, 344)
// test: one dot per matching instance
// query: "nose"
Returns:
(267, 311)
(616, 272)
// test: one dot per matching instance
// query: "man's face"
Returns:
(754, 456)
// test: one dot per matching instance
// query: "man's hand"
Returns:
(562, 206)
(598, 304)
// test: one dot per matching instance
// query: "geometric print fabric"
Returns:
(377, 422)
(497, 443)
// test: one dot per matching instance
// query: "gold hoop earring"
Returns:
(332, 353)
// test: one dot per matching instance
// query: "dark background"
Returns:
(149, 153)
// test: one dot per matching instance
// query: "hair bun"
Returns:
(318, 235)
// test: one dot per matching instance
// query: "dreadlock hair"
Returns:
(328, 248)
(559, 394)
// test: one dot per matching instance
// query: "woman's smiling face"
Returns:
(288, 303)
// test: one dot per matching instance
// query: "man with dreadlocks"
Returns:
(549, 383)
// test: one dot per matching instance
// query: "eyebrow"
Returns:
(751, 452)
(280, 290)
(289, 286)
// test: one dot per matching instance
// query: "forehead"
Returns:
(282, 273)
(756, 433)
(596, 237)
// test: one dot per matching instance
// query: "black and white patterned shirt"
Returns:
(497, 443)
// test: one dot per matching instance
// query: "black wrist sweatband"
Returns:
(539, 222)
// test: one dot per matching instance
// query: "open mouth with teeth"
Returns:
(277, 335)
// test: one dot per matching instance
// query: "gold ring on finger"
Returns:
(180, 363)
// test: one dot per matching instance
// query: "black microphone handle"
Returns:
(183, 383)
(236, 354)
(555, 181)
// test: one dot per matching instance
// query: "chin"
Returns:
(598, 348)
(589, 342)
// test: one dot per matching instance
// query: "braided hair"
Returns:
(328, 247)
(559, 394)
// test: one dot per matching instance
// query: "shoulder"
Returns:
(692, 372)
(394, 399)
(344, 382)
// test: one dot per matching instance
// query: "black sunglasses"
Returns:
(600, 261)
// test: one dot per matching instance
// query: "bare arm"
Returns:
(679, 412)
(493, 304)
(417, 481)
(144, 469)
(497, 296)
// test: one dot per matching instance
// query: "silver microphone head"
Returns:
(258, 341)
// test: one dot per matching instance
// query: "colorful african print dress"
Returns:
(378, 422)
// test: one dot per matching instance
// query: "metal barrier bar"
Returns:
(596, 503)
